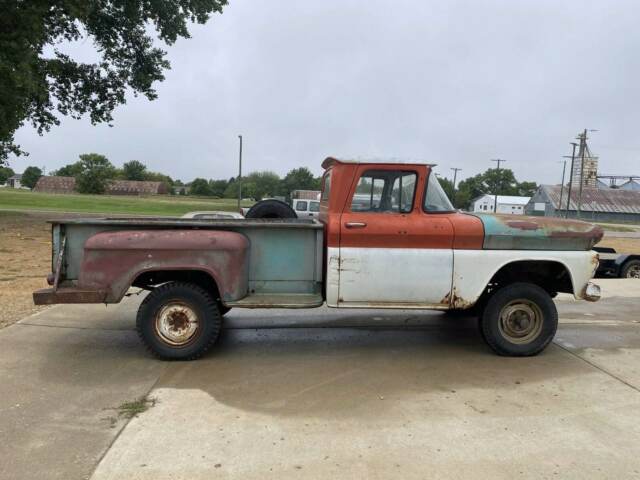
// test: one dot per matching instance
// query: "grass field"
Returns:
(21, 200)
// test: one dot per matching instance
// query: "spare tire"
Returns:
(271, 209)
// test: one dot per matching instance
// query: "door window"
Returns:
(435, 199)
(389, 191)
(301, 206)
(314, 206)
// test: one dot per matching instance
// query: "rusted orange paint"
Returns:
(415, 229)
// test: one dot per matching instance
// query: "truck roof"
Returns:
(331, 161)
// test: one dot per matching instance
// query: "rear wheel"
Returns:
(519, 320)
(631, 269)
(178, 321)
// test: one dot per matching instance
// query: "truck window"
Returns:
(389, 191)
(314, 206)
(301, 206)
(326, 186)
(435, 199)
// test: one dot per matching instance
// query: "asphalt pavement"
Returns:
(323, 394)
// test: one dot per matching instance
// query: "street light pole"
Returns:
(240, 175)
(495, 197)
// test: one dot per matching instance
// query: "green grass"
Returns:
(24, 200)
(135, 407)
(616, 228)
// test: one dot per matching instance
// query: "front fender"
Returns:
(474, 269)
(112, 260)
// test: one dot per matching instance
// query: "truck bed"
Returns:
(285, 255)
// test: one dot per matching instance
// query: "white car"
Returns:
(212, 215)
(306, 208)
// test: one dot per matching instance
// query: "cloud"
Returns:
(453, 83)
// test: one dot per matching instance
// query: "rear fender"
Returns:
(113, 260)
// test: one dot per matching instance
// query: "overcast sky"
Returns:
(452, 83)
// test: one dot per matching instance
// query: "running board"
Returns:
(278, 300)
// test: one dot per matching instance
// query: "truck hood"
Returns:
(516, 232)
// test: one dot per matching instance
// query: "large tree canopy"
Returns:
(38, 82)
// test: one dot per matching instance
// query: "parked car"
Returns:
(306, 208)
(407, 248)
(214, 214)
(619, 265)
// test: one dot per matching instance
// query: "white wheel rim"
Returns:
(176, 323)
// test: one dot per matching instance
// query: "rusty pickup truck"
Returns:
(386, 237)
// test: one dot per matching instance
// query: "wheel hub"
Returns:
(176, 323)
(520, 321)
(634, 272)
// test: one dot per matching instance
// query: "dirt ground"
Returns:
(25, 256)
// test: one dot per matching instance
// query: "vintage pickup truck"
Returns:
(387, 237)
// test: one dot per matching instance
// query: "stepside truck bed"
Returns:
(269, 263)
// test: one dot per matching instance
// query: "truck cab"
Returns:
(386, 236)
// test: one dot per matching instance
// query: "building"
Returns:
(507, 204)
(116, 187)
(609, 205)
(15, 181)
(305, 195)
(631, 185)
(49, 184)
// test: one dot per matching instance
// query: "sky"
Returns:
(456, 83)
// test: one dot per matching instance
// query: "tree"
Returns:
(30, 176)
(38, 82)
(299, 179)
(527, 189)
(70, 170)
(134, 170)
(200, 187)
(492, 182)
(96, 172)
(217, 187)
(447, 186)
(5, 173)
(266, 184)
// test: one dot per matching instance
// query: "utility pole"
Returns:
(240, 175)
(573, 159)
(583, 148)
(564, 167)
(455, 175)
(495, 197)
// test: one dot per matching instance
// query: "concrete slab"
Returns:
(401, 394)
(348, 403)
(58, 388)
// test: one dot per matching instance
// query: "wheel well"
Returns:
(549, 275)
(151, 279)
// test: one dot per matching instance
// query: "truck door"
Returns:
(393, 253)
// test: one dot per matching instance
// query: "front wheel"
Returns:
(179, 321)
(519, 320)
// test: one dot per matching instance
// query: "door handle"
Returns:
(355, 225)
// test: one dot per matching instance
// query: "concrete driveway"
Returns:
(395, 395)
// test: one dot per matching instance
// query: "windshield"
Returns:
(436, 200)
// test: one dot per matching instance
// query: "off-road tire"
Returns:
(223, 309)
(494, 321)
(198, 301)
(271, 209)
(629, 266)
